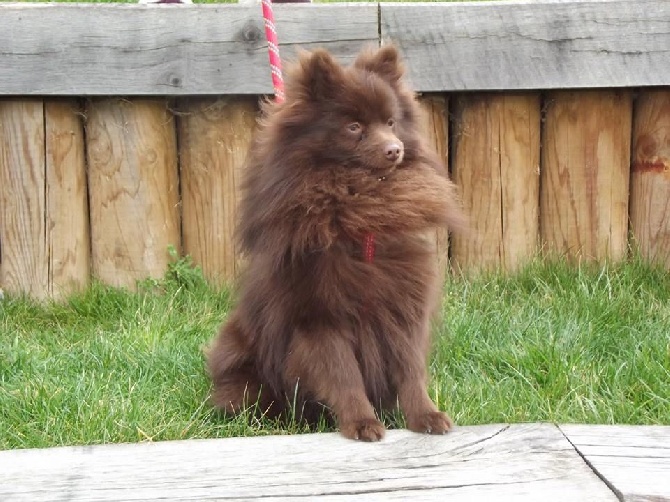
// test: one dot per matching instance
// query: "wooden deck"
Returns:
(492, 462)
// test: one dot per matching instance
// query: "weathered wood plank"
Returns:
(435, 125)
(133, 188)
(650, 177)
(68, 237)
(521, 462)
(107, 49)
(23, 196)
(43, 209)
(532, 44)
(220, 49)
(496, 166)
(634, 460)
(214, 136)
(585, 173)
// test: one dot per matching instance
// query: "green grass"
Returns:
(551, 343)
(558, 343)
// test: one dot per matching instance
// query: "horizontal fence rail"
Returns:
(552, 44)
(93, 184)
(107, 49)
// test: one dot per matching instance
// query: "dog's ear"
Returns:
(385, 62)
(317, 76)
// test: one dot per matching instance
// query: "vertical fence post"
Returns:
(650, 179)
(23, 196)
(436, 130)
(496, 166)
(68, 233)
(585, 173)
(133, 184)
(214, 136)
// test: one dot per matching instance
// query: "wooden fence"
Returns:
(123, 128)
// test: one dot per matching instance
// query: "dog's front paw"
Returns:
(432, 422)
(365, 429)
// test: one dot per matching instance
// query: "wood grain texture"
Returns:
(585, 174)
(220, 49)
(634, 460)
(108, 49)
(68, 237)
(496, 166)
(24, 257)
(214, 137)
(650, 179)
(532, 44)
(435, 125)
(492, 462)
(133, 188)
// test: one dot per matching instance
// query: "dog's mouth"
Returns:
(381, 174)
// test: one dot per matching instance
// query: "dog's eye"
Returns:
(390, 122)
(354, 127)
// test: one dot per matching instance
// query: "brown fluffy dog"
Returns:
(317, 323)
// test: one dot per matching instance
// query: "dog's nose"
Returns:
(392, 151)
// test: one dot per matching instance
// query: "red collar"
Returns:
(369, 247)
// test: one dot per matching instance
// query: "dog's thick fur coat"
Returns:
(316, 323)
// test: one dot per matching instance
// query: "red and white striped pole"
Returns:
(273, 50)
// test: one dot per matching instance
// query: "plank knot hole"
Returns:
(250, 33)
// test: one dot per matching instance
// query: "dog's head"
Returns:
(359, 116)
